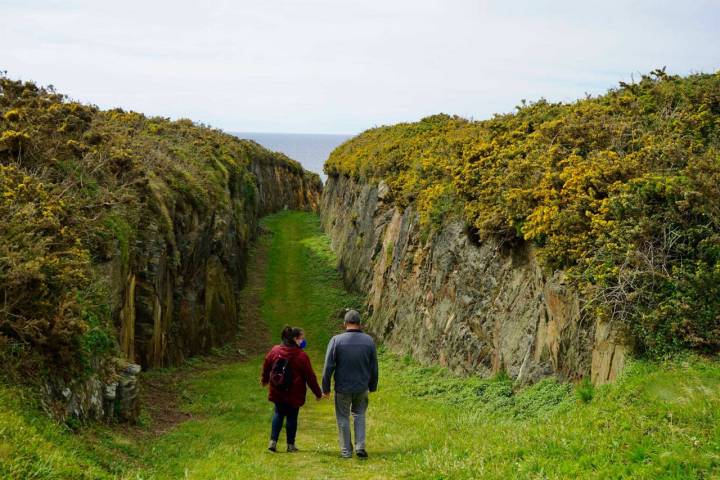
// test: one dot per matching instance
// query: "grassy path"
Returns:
(228, 437)
(658, 422)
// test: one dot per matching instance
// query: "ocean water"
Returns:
(309, 149)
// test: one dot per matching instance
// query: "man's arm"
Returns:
(373, 370)
(329, 367)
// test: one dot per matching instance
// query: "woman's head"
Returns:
(292, 335)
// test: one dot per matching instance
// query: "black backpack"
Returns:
(281, 374)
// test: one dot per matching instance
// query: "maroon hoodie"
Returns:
(302, 374)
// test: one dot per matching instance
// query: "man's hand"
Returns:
(326, 395)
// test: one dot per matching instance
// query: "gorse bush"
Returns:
(42, 265)
(75, 184)
(622, 191)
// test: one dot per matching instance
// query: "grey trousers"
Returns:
(345, 405)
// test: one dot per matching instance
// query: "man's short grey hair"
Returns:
(352, 316)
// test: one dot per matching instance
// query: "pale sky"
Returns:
(341, 66)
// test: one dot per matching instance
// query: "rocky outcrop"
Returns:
(109, 394)
(473, 306)
(174, 289)
(124, 241)
(175, 297)
(282, 186)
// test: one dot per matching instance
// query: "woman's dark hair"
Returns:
(289, 334)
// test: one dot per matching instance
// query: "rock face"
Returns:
(174, 290)
(108, 395)
(279, 186)
(176, 296)
(475, 307)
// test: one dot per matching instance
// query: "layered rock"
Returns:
(473, 306)
(280, 185)
(176, 296)
(174, 293)
(110, 393)
(126, 239)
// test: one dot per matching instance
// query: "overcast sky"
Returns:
(341, 66)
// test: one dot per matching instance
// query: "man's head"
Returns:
(352, 319)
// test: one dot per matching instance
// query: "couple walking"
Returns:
(351, 358)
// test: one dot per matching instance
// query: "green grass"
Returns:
(32, 446)
(659, 420)
(423, 422)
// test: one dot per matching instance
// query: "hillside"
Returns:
(611, 201)
(122, 241)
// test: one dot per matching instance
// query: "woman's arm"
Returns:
(267, 364)
(310, 376)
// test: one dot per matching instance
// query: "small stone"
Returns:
(126, 382)
(110, 391)
(133, 369)
(383, 191)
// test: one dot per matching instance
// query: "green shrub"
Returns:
(12, 115)
(622, 191)
(77, 184)
(13, 141)
(585, 391)
(123, 233)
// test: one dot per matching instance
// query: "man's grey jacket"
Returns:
(352, 357)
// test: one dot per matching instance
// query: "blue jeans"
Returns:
(284, 411)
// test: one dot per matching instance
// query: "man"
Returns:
(352, 357)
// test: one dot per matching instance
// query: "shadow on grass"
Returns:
(383, 454)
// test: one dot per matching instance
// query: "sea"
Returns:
(310, 149)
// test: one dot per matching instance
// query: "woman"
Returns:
(287, 370)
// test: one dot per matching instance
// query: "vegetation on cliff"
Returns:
(660, 420)
(622, 190)
(77, 187)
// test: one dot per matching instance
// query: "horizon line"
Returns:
(292, 133)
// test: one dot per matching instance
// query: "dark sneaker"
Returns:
(272, 446)
(361, 453)
(292, 449)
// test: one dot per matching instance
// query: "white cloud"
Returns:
(345, 65)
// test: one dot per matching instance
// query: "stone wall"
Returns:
(472, 306)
